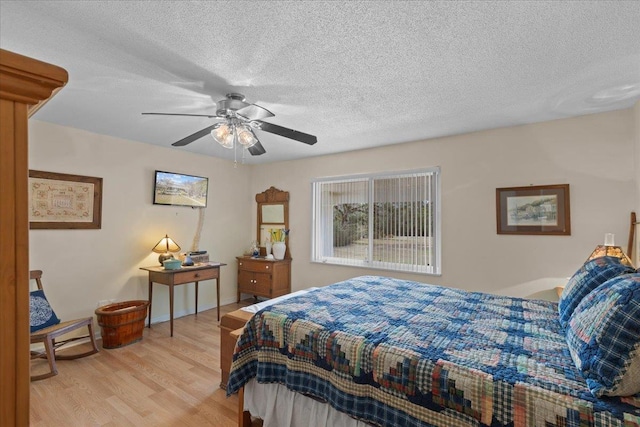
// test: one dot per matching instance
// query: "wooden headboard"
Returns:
(632, 234)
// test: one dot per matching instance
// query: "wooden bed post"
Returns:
(632, 234)
(25, 84)
(244, 417)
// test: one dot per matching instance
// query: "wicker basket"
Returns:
(122, 323)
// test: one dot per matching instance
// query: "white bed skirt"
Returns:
(278, 406)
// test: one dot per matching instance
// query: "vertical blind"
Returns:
(386, 221)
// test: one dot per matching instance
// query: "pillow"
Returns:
(40, 312)
(603, 336)
(591, 275)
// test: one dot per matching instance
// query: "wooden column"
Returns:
(25, 84)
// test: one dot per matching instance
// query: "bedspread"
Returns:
(401, 353)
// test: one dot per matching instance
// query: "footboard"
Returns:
(228, 323)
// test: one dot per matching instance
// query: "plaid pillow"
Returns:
(603, 336)
(41, 314)
(591, 275)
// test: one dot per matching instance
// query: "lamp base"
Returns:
(164, 257)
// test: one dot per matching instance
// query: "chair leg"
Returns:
(51, 358)
(86, 353)
(93, 337)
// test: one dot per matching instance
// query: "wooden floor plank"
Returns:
(159, 381)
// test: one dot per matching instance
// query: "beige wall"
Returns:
(83, 267)
(591, 153)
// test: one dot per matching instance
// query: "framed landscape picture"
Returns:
(542, 209)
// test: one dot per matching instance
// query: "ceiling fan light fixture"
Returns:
(246, 137)
(223, 135)
(239, 119)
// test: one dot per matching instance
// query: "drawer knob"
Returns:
(267, 267)
(196, 275)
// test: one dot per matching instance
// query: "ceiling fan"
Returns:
(239, 119)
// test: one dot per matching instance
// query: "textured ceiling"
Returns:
(355, 74)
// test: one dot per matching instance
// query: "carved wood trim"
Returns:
(29, 81)
(272, 195)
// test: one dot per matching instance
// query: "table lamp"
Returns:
(164, 247)
(610, 249)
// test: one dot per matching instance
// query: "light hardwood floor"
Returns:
(159, 381)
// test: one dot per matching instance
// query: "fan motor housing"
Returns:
(227, 107)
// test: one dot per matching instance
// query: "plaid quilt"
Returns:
(400, 353)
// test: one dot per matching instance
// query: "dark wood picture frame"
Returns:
(542, 209)
(95, 214)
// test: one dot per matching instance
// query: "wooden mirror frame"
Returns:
(272, 196)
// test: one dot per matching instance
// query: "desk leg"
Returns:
(218, 294)
(171, 308)
(150, 299)
(196, 298)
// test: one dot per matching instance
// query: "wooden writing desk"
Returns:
(181, 276)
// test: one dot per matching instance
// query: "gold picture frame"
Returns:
(542, 209)
(64, 201)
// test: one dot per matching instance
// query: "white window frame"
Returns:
(318, 238)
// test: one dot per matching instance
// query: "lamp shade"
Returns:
(224, 134)
(609, 249)
(613, 251)
(166, 244)
(246, 136)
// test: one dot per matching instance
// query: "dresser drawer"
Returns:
(195, 275)
(257, 266)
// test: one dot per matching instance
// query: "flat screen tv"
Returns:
(177, 189)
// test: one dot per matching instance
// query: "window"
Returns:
(389, 221)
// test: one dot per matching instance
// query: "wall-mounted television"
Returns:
(178, 189)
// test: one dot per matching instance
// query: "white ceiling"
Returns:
(355, 74)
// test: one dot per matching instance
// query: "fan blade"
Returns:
(257, 149)
(254, 112)
(179, 114)
(287, 133)
(193, 137)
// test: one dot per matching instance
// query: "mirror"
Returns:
(273, 213)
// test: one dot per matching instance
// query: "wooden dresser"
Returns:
(263, 277)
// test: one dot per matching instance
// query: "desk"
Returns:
(182, 276)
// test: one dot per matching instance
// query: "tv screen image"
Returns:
(178, 189)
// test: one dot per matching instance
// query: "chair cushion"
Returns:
(603, 336)
(40, 312)
(591, 275)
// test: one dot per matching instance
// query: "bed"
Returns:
(390, 352)
(232, 324)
